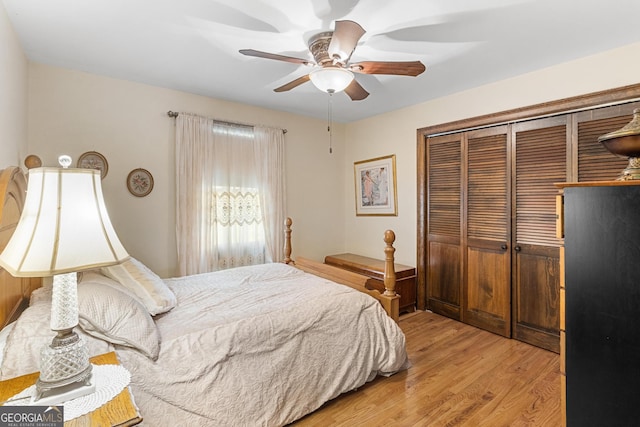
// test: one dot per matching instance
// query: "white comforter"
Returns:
(260, 346)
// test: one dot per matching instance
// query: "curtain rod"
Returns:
(174, 114)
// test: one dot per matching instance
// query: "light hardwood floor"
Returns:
(459, 376)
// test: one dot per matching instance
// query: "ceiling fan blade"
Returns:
(267, 55)
(344, 40)
(409, 68)
(355, 91)
(292, 84)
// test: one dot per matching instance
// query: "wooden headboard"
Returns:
(14, 291)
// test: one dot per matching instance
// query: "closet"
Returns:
(488, 250)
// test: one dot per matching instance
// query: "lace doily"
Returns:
(110, 380)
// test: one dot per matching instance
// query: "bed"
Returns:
(260, 345)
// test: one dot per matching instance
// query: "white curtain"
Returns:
(230, 194)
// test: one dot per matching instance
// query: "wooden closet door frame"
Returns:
(566, 105)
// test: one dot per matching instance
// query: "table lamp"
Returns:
(64, 228)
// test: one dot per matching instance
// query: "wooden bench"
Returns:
(374, 268)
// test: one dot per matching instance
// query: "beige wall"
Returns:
(13, 95)
(73, 112)
(395, 133)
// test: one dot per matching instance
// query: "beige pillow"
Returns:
(31, 332)
(144, 283)
(107, 313)
(96, 276)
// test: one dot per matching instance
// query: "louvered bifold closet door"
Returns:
(443, 225)
(487, 268)
(540, 161)
(594, 162)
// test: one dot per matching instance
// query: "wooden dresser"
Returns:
(600, 296)
(374, 268)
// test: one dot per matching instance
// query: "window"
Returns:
(237, 221)
(230, 194)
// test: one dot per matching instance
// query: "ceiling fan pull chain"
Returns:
(330, 124)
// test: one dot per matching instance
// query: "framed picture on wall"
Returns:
(375, 181)
(94, 160)
(140, 182)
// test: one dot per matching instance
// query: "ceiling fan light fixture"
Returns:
(331, 79)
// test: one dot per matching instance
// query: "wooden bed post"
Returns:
(389, 266)
(287, 241)
(389, 300)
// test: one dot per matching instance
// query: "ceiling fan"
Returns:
(332, 51)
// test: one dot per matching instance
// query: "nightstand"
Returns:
(120, 411)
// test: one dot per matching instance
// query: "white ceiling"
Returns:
(192, 45)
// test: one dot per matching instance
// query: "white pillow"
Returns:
(30, 333)
(110, 314)
(95, 276)
(144, 283)
(41, 295)
(4, 334)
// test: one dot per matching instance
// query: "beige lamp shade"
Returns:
(64, 226)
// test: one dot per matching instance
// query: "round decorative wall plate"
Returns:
(94, 160)
(32, 161)
(140, 182)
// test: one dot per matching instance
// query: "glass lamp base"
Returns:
(63, 365)
(59, 395)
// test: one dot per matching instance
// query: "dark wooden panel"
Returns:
(487, 214)
(537, 296)
(444, 186)
(487, 287)
(444, 279)
(595, 163)
(488, 294)
(602, 299)
(540, 162)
